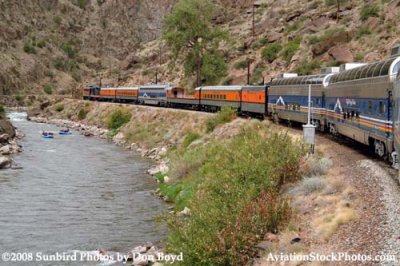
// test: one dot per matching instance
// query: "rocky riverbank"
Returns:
(9, 146)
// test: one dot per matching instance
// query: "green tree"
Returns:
(189, 30)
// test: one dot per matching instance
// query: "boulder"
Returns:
(372, 57)
(274, 36)
(4, 162)
(33, 112)
(5, 150)
(44, 105)
(119, 139)
(4, 138)
(185, 212)
(341, 54)
(7, 127)
(336, 38)
(294, 15)
(87, 134)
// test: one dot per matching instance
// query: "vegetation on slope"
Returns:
(232, 189)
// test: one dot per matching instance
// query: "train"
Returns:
(360, 102)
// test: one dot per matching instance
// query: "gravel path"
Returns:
(390, 198)
(376, 199)
(376, 230)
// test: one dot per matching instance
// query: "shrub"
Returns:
(41, 43)
(257, 76)
(189, 138)
(270, 53)
(71, 65)
(59, 108)
(363, 31)
(318, 167)
(294, 26)
(118, 118)
(57, 20)
(48, 89)
(76, 76)
(369, 11)
(82, 3)
(334, 2)
(307, 67)
(82, 113)
(227, 196)
(69, 49)
(290, 49)
(29, 48)
(242, 64)
(2, 110)
(314, 39)
(59, 63)
(312, 184)
(226, 115)
(359, 57)
(259, 43)
(19, 99)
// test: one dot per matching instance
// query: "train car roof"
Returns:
(220, 88)
(156, 86)
(301, 80)
(389, 67)
(127, 88)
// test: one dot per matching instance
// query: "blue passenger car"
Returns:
(359, 104)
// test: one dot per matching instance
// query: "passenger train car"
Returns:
(359, 104)
(288, 99)
(362, 103)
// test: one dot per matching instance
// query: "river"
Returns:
(75, 193)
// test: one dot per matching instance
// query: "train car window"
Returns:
(370, 71)
(385, 68)
(346, 75)
(377, 70)
(364, 72)
(382, 108)
(357, 114)
(369, 107)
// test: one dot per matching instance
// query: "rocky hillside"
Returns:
(48, 45)
(56, 46)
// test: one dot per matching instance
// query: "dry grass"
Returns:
(324, 196)
(330, 219)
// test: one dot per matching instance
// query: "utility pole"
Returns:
(309, 129)
(160, 50)
(248, 71)
(254, 32)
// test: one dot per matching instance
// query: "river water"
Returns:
(75, 193)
